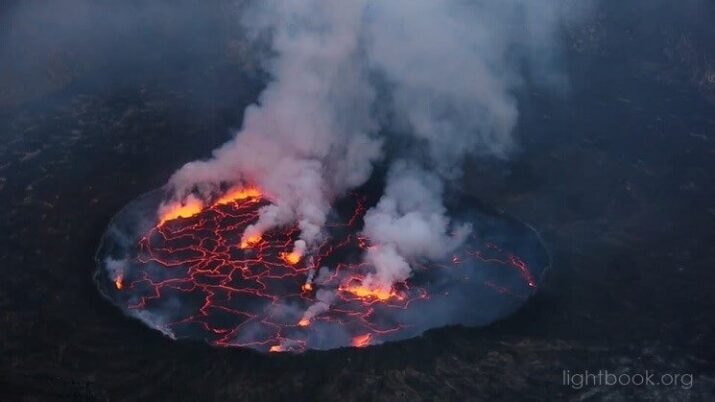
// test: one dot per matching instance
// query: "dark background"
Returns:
(101, 103)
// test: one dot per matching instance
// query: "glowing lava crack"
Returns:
(189, 275)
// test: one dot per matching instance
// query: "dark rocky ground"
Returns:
(617, 174)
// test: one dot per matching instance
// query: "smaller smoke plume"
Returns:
(116, 268)
(299, 248)
(324, 299)
(410, 221)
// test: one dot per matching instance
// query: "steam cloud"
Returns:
(448, 70)
(408, 222)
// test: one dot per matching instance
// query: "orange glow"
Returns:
(361, 341)
(250, 298)
(377, 293)
(250, 242)
(238, 194)
(192, 207)
(291, 258)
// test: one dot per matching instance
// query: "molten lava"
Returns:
(250, 242)
(362, 340)
(193, 276)
(291, 258)
(189, 208)
(238, 194)
(372, 293)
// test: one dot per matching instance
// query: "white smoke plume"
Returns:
(408, 222)
(454, 68)
(451, 69)
(310, 136)
(324, 298)
(116, 268)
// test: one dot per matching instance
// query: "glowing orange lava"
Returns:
(193, 206)
(362, 340)
(189, 208)
(250, 242)
(291, 258)
(238, 194)
(370, 293)
(236, 296)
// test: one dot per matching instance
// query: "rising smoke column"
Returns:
(451, 69)
(454, 68)
(409, 221)
(310, 137)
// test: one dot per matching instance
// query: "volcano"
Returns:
(188, 274)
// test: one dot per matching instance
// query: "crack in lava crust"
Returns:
(191, 277)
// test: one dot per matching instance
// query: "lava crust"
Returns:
(188, 275)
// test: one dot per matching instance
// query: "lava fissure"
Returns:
(191, 275)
